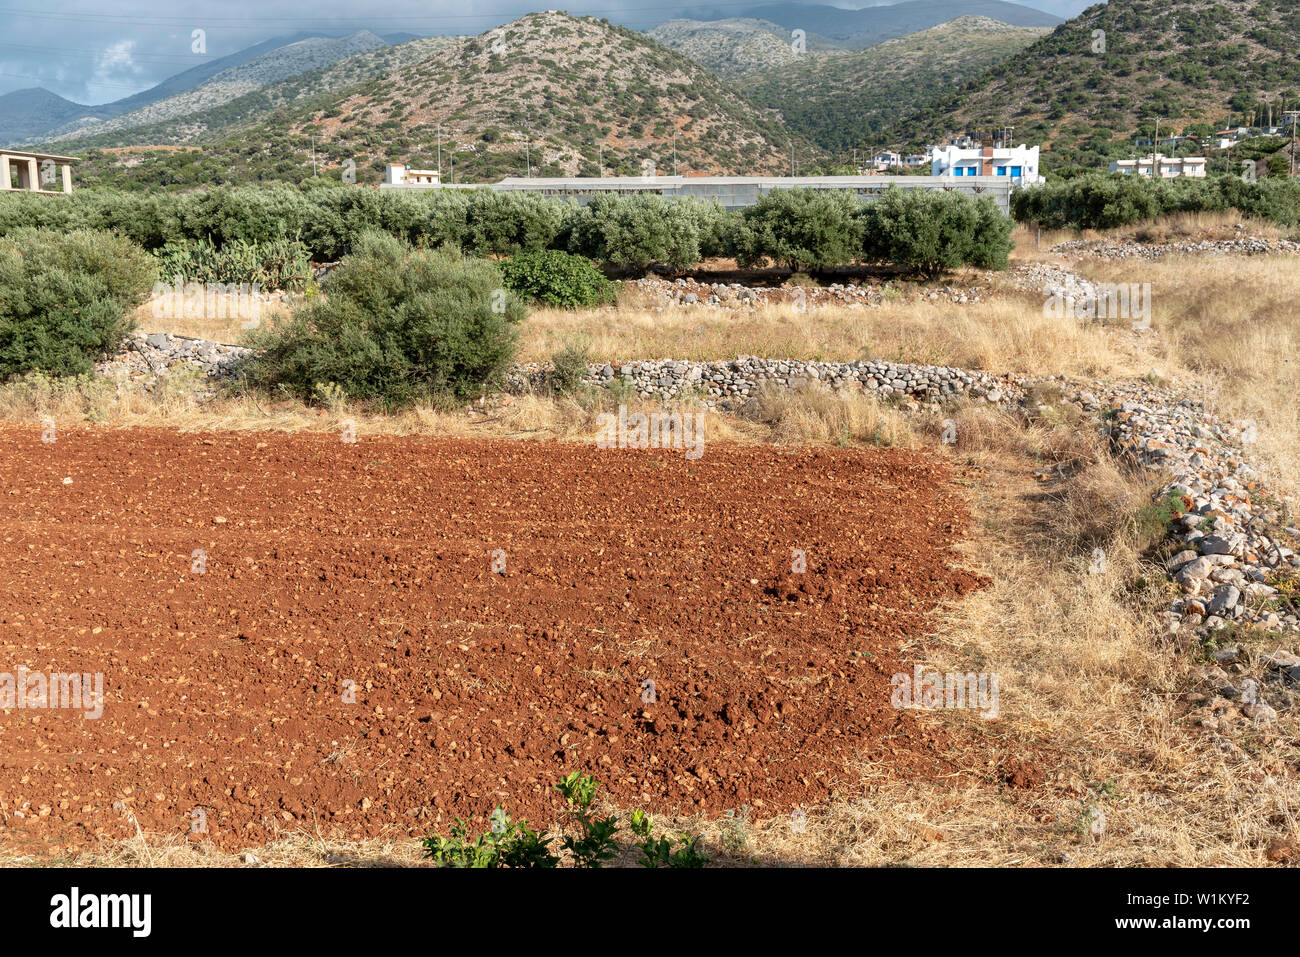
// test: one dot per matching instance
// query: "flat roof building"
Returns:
(35, 172)
(1017, 164)
(1170, 167)
(732, 192)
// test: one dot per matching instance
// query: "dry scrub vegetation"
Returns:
(1090, 696)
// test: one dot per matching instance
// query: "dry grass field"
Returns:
(1085, 679)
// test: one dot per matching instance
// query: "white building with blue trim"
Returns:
(1017, 164)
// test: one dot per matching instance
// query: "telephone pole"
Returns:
(1295, 120)
(440, 152)
(1155, 145)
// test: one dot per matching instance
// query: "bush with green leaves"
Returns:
(930, 232)
(66, 298)
(555, 278)
(509, 223)
(1111, 201)
(396, 325)
(272, 264)
(800, 229)
(591, 840)
(642, 229)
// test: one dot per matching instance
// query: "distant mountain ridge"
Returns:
(285, 61)
(859, 29)
(254, 106)
(735, 46)
(28, 114)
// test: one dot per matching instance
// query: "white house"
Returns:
(1170, 167)
(887, 158)
(1017, 163)
(400, 175)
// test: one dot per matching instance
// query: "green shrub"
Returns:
(1110, 201)
(641, 229)
(506, 224)
(568, 366)
(557, 278)
(512, 844)
(933, 231)
(67, 298)
(272, 264)
(396, 325)
(800, 229)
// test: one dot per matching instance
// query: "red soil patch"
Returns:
(372, 563)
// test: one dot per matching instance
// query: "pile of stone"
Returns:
(1237, 545)
(685, 293)
(729, 383)
(160, 354)
(1131, 249)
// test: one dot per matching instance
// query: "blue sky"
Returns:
(94, 51)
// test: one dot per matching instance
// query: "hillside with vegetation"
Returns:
(557, 94)
(736, 46)
(1086, 88)
(875, 23)
(291, 60)
(263, 99)
(843, 101)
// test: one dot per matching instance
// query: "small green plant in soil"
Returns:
(512, 844)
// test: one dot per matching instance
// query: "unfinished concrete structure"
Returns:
(35, 172)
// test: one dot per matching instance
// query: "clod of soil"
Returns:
(384, 635)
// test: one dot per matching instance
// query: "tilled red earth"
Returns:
(348, 662)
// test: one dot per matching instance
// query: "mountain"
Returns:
(843, 101)
(859, 29)
(285, 61)
(34, 110)
(550, 91)
(735, 46)
(31, 113)
(1189, 62)
(253, 107)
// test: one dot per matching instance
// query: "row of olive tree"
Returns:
(803, 229)
(1105, 201)
(919, 230)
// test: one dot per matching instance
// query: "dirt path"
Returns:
(369, 566)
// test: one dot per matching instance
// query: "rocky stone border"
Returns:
(1237, 540)
(727, 383)
(685, 293)
(161, 354)
(1131, 249)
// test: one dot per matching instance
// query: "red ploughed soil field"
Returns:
(349, 663)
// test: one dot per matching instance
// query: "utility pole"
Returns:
(674, 154)
(440, 152)
(313, 154)
(600, 160)
(1295, 120)
(528, 155)
(1155, 145)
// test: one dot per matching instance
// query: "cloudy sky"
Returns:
(95, 51)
